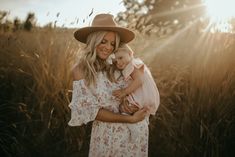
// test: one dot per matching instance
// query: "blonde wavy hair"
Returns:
(90, 63)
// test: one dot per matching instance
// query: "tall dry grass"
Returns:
(193, 71)
(35, 84)
(196, 77)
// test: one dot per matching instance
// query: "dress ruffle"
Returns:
(84, 105)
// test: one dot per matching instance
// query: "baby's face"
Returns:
(122, 59)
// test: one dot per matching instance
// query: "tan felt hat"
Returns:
(104, 22)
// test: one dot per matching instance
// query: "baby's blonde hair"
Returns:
(90, 63)
(125, 48)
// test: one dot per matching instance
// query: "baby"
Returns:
(141, 90)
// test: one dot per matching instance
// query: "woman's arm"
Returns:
(108, 116)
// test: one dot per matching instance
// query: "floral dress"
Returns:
(107, 139)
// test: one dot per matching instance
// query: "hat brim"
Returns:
(126, 35)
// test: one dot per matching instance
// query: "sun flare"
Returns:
(220, 12)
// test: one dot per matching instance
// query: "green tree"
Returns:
(161, 17)
(136, 16)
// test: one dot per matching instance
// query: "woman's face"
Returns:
(106, 47)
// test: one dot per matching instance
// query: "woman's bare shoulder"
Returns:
(77, 72)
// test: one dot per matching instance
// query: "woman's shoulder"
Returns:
(77, 72)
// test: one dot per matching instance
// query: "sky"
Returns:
(69, 10)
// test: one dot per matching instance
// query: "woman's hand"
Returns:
(139, 115)
(128, 108)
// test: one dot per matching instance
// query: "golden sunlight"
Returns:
(220, 12)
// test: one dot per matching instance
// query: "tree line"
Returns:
(8, 25)
(145, 16)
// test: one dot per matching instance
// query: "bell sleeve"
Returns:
(84, 105)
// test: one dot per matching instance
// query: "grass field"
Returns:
(195, 74)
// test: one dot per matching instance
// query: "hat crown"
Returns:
(103, 20)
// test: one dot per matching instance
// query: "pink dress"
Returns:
(107, 139)
(146, 95)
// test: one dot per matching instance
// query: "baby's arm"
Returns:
(136, 75)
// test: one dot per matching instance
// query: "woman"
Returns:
(92, 98)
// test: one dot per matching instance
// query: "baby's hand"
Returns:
(120, 93)
(126, 107)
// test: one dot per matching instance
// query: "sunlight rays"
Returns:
(218, 21)
(219, 12)
(150, 56)
(179, 11)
